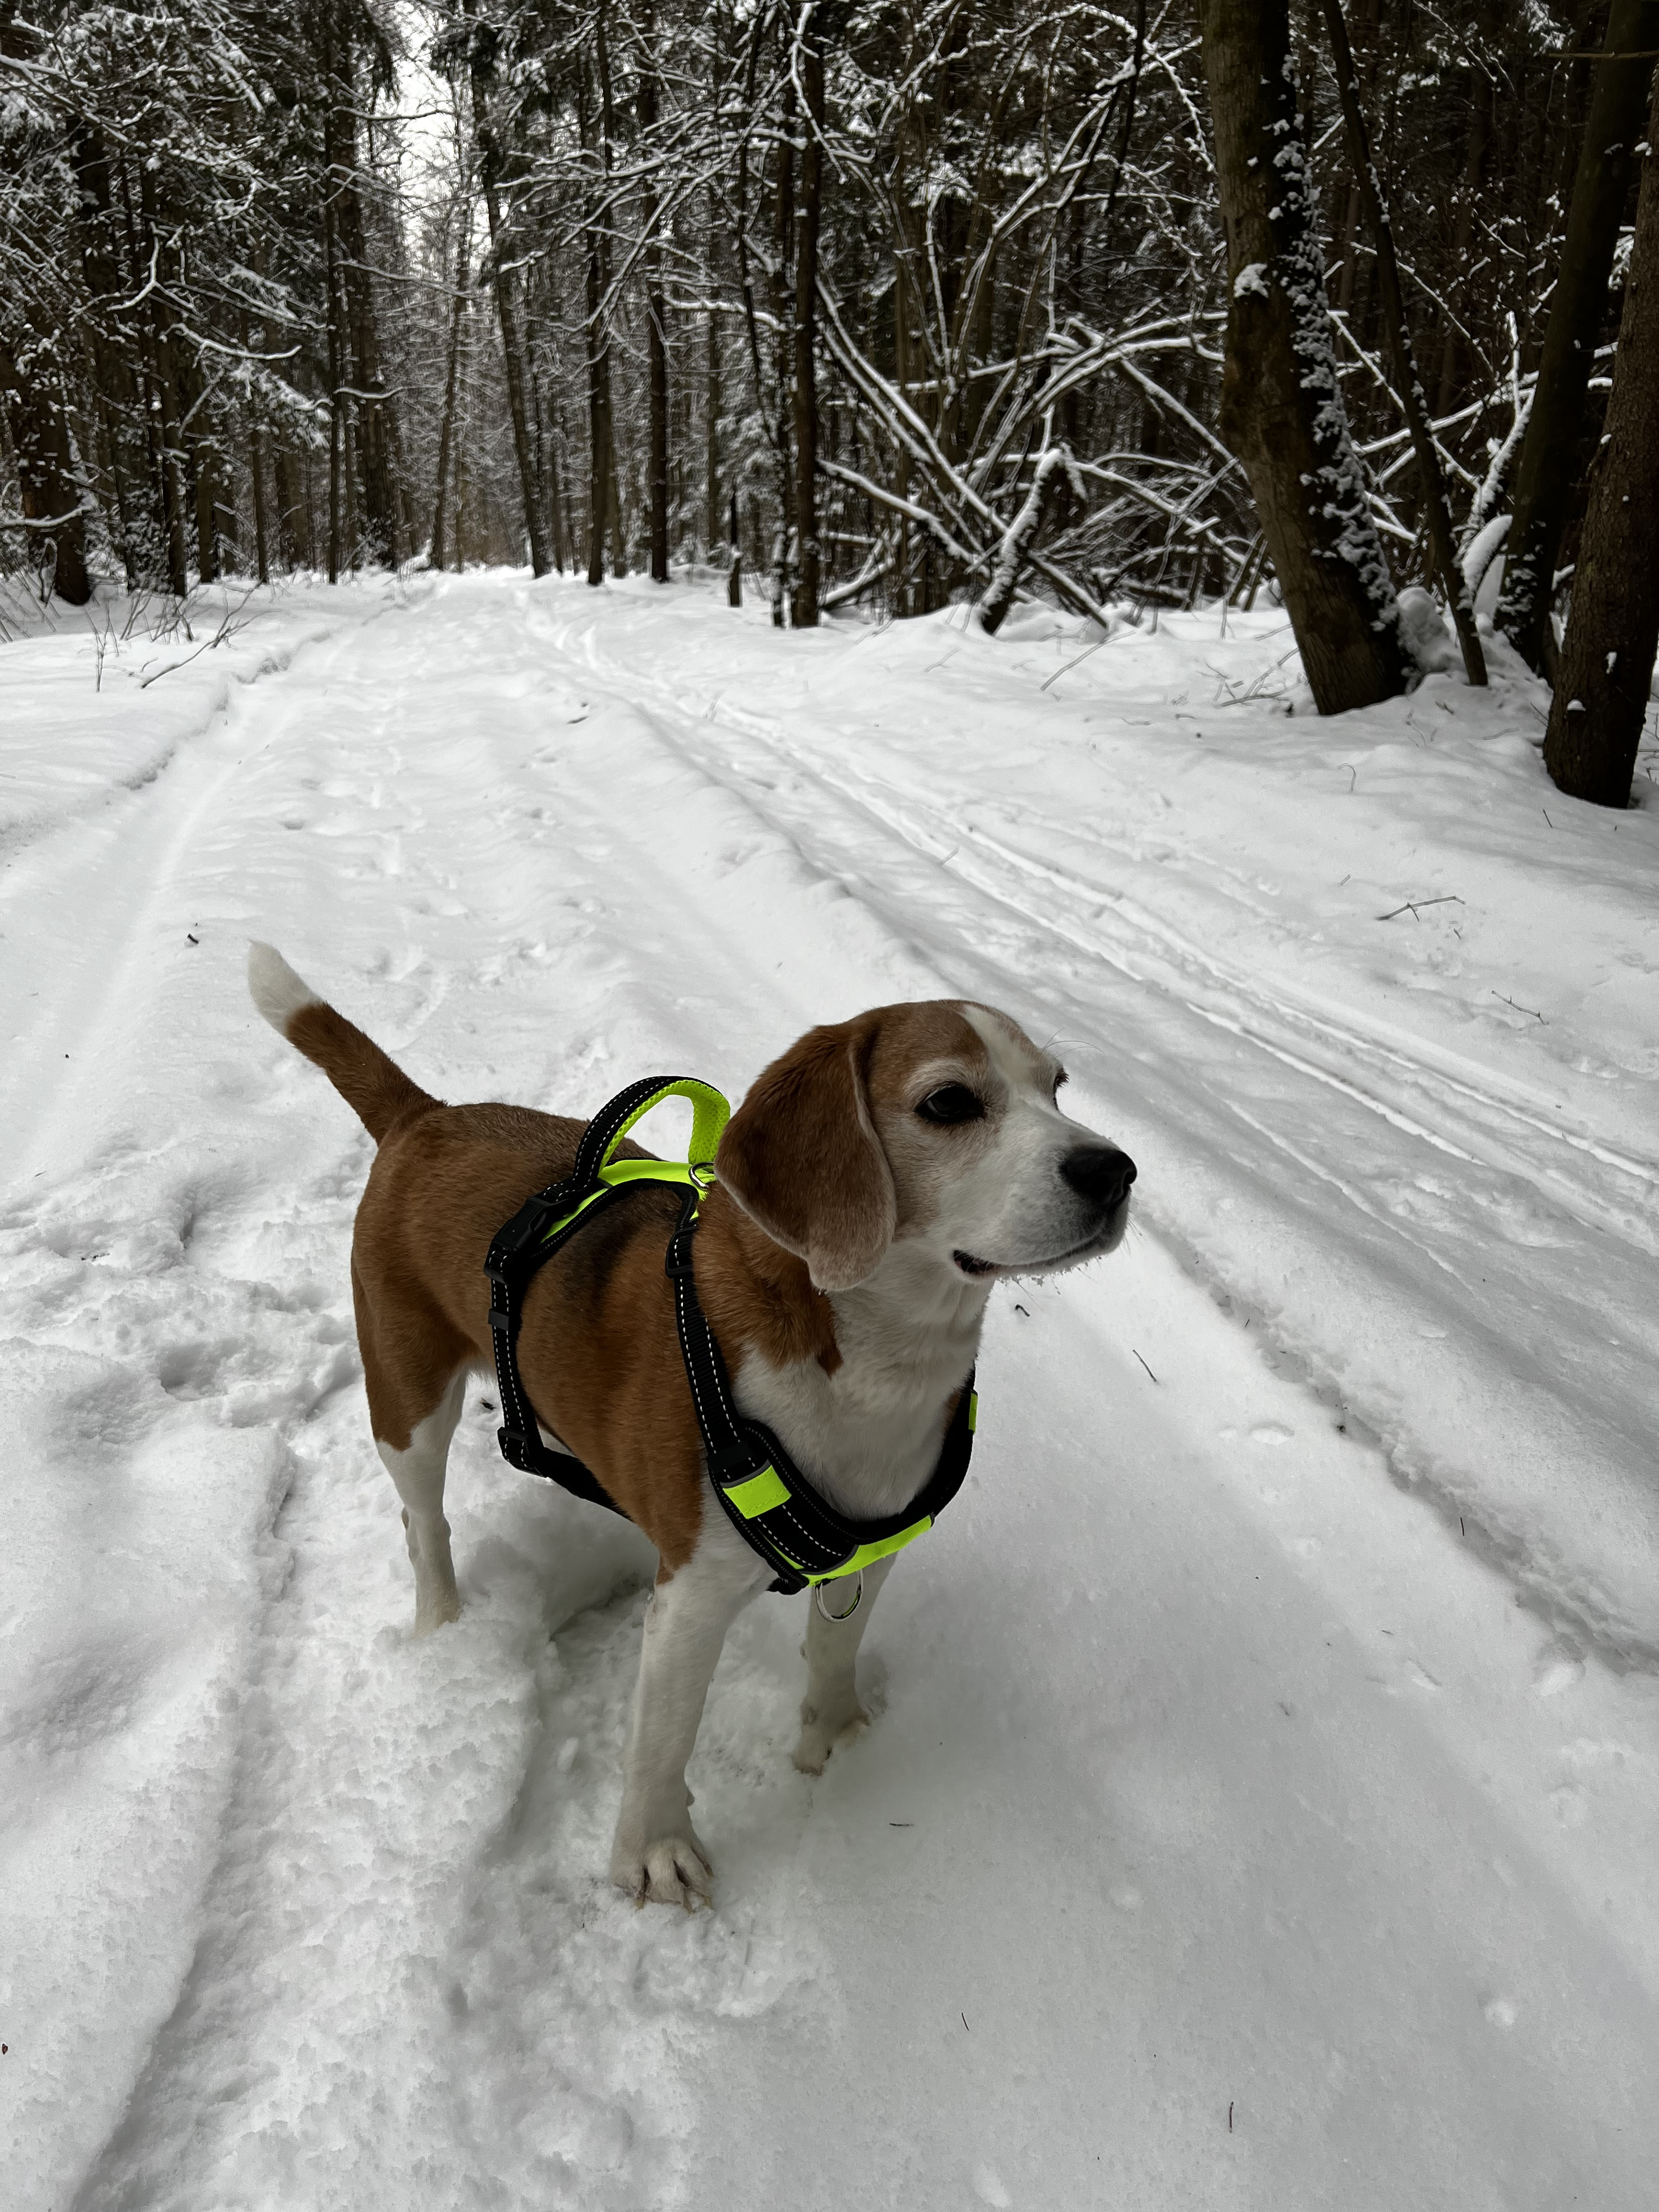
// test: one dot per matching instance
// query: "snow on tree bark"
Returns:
(1550, 453)
(1605, 673)
(1281, 407)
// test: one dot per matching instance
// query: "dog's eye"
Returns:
(955, 1102)
(1061, 1080)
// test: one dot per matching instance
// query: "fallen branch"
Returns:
(1017, 539)
(1446, 898)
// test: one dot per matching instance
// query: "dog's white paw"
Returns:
(673, 1871)
(437, 1611)
(822, 1728)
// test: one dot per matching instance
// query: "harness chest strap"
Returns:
(776, 1510)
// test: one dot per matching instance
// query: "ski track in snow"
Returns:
(1215, 1773)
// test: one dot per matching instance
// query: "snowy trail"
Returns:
(1216, 1780)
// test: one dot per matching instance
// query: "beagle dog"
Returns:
(873, 1185)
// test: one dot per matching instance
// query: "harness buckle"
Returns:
(525, 1227)
(732, 1464)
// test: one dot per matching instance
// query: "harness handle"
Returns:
(596, 1162)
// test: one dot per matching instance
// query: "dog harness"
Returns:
(802, 1538)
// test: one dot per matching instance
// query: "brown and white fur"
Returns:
(844, 1260)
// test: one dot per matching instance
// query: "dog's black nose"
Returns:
(1100, 1172)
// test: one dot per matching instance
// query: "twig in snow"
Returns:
(1533, 1011)
(1545, 812)
(1143, 1363)
(1445, 898)
(230, 624)
(1071, 665)
(1257, 689)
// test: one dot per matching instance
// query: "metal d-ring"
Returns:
(824, 1613)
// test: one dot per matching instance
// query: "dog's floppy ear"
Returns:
(801, 1157)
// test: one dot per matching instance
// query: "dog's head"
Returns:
(934, 1125)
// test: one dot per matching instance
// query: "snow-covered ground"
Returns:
(1262, 1803)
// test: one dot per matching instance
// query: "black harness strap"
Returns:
(521, 1251)
(770, 1502)
(802, 1536)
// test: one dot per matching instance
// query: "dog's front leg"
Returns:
(657, 1856)
(830, 1712)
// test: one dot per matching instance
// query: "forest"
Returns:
(1127, 307)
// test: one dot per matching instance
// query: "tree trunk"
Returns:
(164, 415)
(203, 477)
(452, 378)
(360, 346)
(118, 402)
(337, 395)
(51, 498)
(256, 458)
(656, 314)
(712, 434)
(783, 307)
(350, 536)
(513, 349)
(261, 529)
(602, 507)
(1281, 406)
(806, 283)
(1474, 162)
(1606, 671)
(564, 544)
(1549, 455)
(293, 548)
(598, 409)
(1437, 519)
(734, 567)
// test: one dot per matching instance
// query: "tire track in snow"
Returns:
(1142, 942)
(410, 1970)
(107, 902)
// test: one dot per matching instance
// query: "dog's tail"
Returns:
(373, 1086)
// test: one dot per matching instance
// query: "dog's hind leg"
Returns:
(409, 1362)
(419, 1473)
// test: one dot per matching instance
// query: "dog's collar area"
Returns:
(776, 1510)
